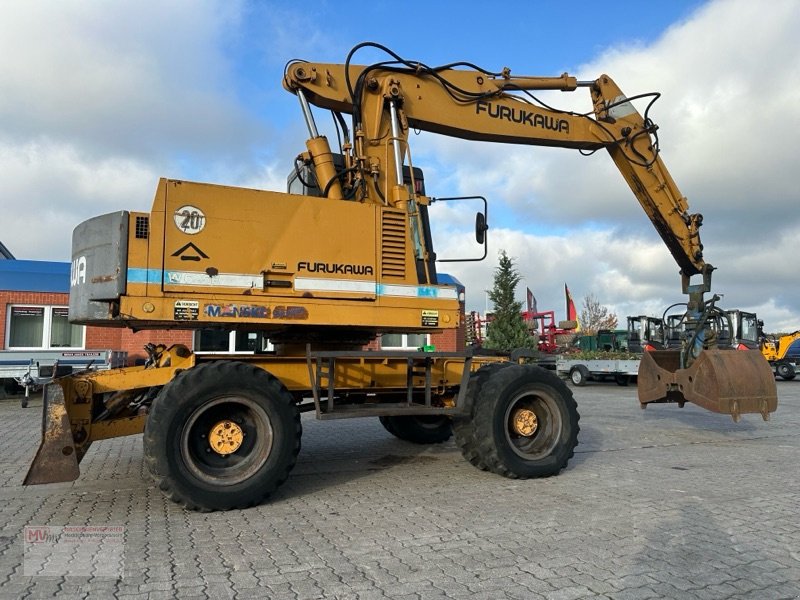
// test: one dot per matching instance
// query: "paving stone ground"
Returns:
(657, 503)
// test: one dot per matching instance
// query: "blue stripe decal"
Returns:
(154, 276)
(420, 291)
(144, 275)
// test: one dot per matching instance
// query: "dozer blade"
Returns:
(56, 459)
(730, 382)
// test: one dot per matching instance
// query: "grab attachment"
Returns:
(730, 382)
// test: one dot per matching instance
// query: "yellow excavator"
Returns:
(346, 256)
(782, 353)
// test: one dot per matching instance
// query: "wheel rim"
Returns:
(533, 424)
(576, 376)
(227, 440)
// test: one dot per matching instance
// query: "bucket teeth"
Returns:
(731, 382)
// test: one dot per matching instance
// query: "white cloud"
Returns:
(98, 101)
(730, 83)
(47, 187)
(139, 78)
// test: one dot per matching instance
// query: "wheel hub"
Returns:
(225, 437)
(525, 422)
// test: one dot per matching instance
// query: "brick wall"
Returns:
(36, 298)
(448, 340)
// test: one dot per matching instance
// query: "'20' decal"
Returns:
(189, 219)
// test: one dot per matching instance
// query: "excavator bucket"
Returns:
(730, 382)
(56, 460)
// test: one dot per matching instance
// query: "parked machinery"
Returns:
(782, 353)
(645, 333)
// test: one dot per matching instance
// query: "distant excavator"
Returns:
(782, 353)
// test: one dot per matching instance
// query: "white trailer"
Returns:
(29, 368)
(580, 371)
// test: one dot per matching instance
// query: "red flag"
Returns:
(572, 314)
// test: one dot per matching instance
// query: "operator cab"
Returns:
(745, 334)
(674, 330)
(645, 333)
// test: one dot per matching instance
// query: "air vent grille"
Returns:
(142, 228)
(393, 245)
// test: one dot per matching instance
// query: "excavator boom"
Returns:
(388, 99)
(477, 106)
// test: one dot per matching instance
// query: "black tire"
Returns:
(11, 387)
(509, 396)
(622, 379)
(419, 429)
(464, 427)
(785, 371)
(225, 397)
(579, 375)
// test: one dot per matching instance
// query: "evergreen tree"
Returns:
(507, 330)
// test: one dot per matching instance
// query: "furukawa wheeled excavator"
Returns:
(349, 258)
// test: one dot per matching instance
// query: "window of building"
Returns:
(230, 342)
(404, 341)
(43, 327)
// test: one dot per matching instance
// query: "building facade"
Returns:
(34, 302)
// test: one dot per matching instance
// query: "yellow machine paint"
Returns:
(776, 351)
(216, 254)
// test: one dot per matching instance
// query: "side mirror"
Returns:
(480, 228)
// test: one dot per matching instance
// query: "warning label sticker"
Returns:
(430, 318)
(186, 310)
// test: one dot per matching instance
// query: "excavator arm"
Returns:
(492, 107)
(389, 99)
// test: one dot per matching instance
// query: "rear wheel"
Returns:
(419, 429)
(785, 371)
(622, 379)
(222, 435)
(524, 424)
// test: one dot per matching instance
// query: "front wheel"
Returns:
(419, 429)
(222, 435)
(579, 375)
(524, 424)
(786, 371)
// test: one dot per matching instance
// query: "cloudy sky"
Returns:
(98, 100)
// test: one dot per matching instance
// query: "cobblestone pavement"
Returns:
(657, 503)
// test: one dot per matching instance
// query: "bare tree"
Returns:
(595, 316)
